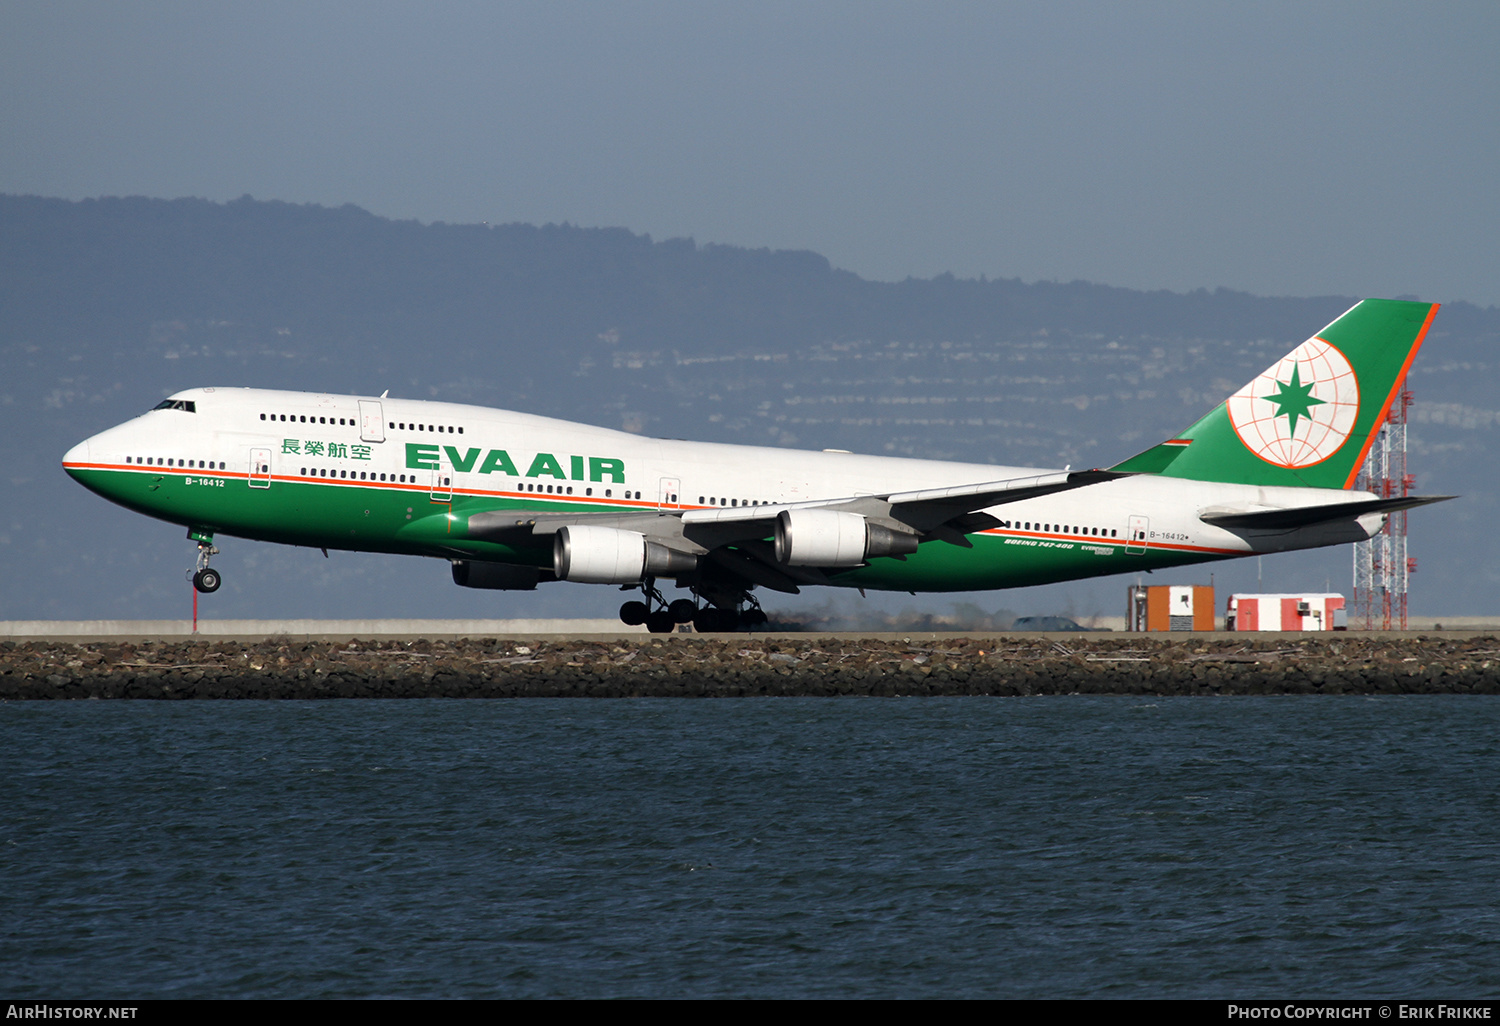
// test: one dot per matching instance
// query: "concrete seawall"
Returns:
(723, 666)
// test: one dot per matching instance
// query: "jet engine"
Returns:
(828, 537)
(608, 555)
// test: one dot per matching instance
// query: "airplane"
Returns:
(513, 500)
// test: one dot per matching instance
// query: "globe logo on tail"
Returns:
(1301, 410)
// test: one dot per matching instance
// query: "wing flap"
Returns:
(921, 510)
(932, 507)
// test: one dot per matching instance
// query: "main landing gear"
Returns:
(205, 578)
(661, 620)
(665, 616)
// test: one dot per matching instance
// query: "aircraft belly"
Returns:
(1008, 561)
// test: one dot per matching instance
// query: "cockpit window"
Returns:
(186, 405)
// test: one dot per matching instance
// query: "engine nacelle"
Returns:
(608, 555)
(828, 537)
(495, 576)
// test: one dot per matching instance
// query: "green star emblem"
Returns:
(1295, 399)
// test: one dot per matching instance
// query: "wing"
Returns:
(735, 539)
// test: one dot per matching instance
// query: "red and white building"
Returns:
(1305, 612)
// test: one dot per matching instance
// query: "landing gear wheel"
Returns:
(713, 621)
(682, 610)
(633, 613)
(754, 618)
(207, 580)
(661, 622)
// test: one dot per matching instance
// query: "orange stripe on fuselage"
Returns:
(1118, 543)
(642, 504)
(424, 489)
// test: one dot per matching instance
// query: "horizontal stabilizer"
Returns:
(1306, 516)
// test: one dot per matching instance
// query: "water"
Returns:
(1066, 846)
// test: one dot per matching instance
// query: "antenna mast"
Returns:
(1381, 565)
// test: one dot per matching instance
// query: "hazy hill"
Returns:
(106, 305)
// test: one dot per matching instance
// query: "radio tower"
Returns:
(1381, 565)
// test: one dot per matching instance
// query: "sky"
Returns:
(1278, 148)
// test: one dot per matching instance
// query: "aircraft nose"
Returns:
(77, 456)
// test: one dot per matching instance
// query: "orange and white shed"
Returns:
(1170, 607)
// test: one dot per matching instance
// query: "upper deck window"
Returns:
(186, 405)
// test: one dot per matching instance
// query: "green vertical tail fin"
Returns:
(1310, 417)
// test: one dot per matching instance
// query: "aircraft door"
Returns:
(260, 468)
(1135, 537)
(670, 486)
(371, 421)
(442, 479)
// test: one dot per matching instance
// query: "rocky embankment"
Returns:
(709, 666)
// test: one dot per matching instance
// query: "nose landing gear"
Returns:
(205, 578)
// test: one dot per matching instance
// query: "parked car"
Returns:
(1049, 623)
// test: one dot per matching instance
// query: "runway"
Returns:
(305, 630)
